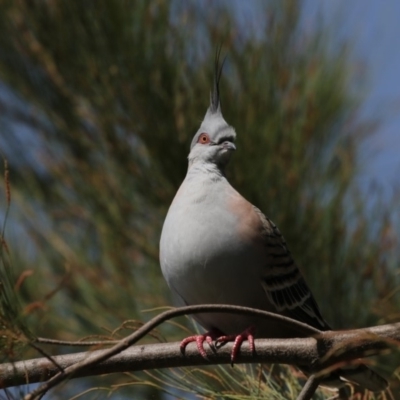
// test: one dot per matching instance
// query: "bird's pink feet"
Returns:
(237, 340)
(220, 340)
(200, 339)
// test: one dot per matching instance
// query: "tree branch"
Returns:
(146, 328)
(340, 346)
(315, 353)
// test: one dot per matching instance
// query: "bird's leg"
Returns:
(200, 339)
(237, 340)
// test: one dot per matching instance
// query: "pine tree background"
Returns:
(99, 101)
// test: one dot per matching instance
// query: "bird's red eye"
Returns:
(204, 138)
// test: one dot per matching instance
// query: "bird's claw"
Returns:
(220, 340)
(237, 340)
(199, 340)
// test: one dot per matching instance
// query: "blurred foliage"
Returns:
(98, 103)
(13, 328)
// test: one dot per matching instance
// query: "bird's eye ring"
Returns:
(204, 138)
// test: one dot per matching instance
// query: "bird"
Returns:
(218, 248)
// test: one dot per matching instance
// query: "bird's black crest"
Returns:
(215, 100)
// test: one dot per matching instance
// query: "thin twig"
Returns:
(48, 356)
(309, 388)
(76, 343)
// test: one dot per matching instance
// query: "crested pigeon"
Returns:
(216, 247)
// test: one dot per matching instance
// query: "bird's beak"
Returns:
(229, 146)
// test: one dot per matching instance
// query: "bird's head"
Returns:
(214, 140)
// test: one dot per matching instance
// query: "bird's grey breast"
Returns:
(201, 243)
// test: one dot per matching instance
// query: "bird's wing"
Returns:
(283, 282)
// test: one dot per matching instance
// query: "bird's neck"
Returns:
(204, 184)
(206, 170)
